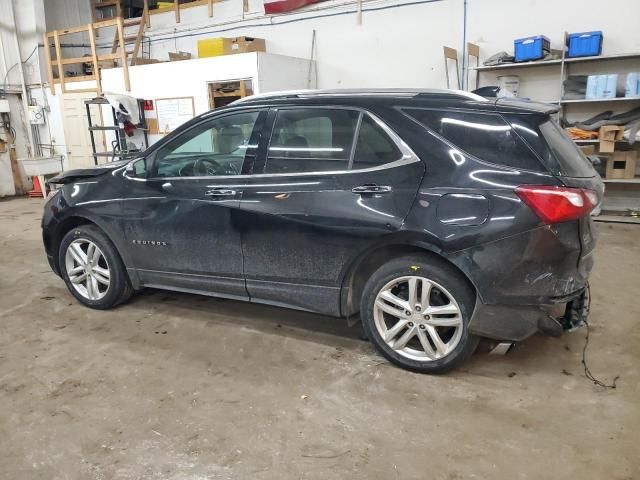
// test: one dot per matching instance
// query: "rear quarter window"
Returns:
(571, 161)
(486, 136)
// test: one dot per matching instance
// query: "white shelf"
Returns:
(604, 100)
(621, 180)
(503, 66)
(559, 61)
(617, 219)
(620, 56)
(595, 140)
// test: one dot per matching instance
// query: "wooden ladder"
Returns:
(98, 5)
(129, 38)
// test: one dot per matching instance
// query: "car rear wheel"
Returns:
(92, 268)
(416, 312)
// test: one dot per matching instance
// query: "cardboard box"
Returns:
(588, 150)
(214, 47)
(177, 56)
(245, 45)
(609, 135)
(146, 61)
(622, 165)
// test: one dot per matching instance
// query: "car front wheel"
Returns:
(92, 268)
(416, 312)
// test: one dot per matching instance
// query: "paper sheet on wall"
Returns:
(173, 112)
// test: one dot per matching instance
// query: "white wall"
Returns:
(190, 78)
(393, 47)
(494, 24)
(399, 45)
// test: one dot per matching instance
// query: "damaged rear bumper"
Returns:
(516, 322)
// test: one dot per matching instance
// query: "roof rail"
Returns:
(405, 92)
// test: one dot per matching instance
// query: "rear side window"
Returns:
(374, 147)
(486, 136)
(311, 140)
(307, 140)
(571, 160)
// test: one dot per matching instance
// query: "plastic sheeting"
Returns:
(279, 6)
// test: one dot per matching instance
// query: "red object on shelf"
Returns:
(279, 6)
(148, 105)
(37, 189)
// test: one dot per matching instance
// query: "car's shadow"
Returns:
(338, 332)
(260, 317)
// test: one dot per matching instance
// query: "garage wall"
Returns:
(399, 43)
(393, 46)
(618, 20)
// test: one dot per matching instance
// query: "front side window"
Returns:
(486, 136)
(215, 147)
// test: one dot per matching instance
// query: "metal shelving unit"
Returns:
(622, 196)
(600, 100)
(119, 145)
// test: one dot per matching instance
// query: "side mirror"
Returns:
(136, 168)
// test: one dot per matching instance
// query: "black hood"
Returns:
(73, 175)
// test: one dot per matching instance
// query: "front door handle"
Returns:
(371, 188)
(220, 192)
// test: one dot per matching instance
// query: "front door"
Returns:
(330, 182)
(76, 129)
(181, 223)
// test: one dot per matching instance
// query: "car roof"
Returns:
(405, 97)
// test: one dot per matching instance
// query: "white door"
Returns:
(76, 130)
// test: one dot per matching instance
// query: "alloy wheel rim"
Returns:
(418, 318)
(87, 269)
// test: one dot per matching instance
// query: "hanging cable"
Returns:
(587, 371)
(6, 76)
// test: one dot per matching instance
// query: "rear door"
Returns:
(328, 183)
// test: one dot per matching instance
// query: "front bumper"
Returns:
(516, 322)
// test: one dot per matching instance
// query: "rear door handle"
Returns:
(371, 189)
(220, 192)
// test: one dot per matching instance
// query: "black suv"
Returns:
(440, 216)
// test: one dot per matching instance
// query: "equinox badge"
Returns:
(152, 243)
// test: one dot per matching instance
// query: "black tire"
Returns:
(435, 270)
(119, 289)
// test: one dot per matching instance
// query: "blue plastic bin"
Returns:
(585, 44)
(531, 48)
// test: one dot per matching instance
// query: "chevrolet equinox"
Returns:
(439, 216)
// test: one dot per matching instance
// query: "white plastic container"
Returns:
(612, 85)
(509, 85)
(592, 86)
(632, 85)
(606, 86)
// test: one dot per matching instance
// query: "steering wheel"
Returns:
(199, 167)
(230, 168)
(204, 167)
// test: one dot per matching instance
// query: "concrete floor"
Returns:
(177, 386)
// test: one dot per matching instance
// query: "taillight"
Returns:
(557, 204)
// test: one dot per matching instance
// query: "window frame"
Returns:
(264, 132)
(258, 128)
(406, 154)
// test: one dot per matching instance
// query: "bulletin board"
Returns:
(173, 112)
